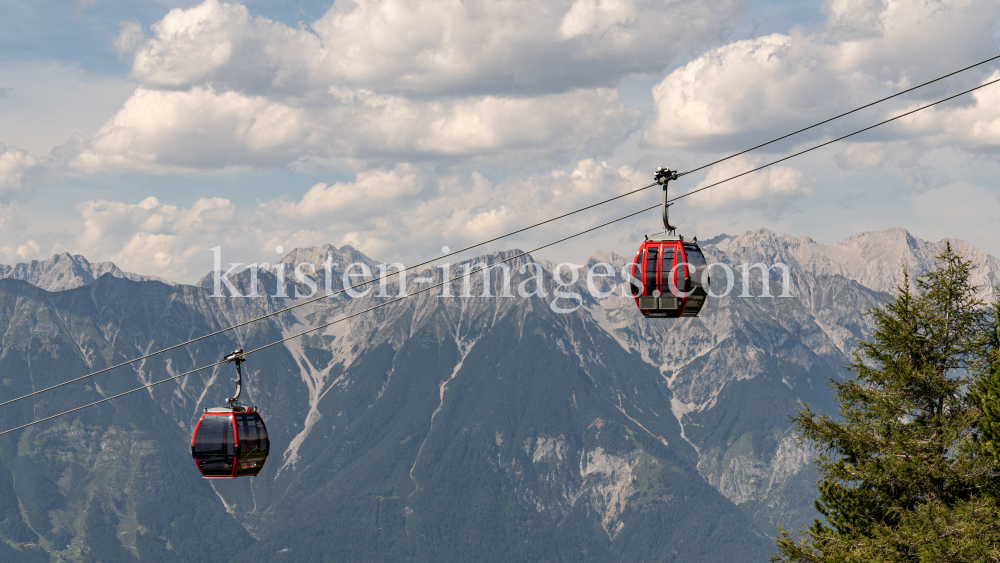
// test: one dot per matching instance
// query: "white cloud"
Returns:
(511, 45)
(974, 126)
(370, 192)
(373, 213)
(382, 81)
(130, 36)
(165, 131)
(902, 42)
(27, 251)
(747, 86)
(221, 45)
(428, 46)
(427, 209)
(754, 89)
(861, 156)
(770, 190)
(154, 237)
(17, 170)
(595, 17)
(396, 127)
(855, 19)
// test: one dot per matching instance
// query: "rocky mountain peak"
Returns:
(874, 259)
(66, 271)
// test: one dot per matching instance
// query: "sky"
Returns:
(148, 132)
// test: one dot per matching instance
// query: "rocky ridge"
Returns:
(67, 271)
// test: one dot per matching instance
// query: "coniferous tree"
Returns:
(903, 471)
(985, 394)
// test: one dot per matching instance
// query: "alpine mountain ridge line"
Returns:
(593, 434)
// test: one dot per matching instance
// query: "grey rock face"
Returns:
(66, 271)
(874, 259)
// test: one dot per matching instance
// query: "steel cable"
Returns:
(842, 137)
(846, 113)
(339, 320)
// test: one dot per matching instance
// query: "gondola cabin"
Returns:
(230, 442)
(667, 277)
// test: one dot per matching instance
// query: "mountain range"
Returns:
(435, 428)
(66, 271)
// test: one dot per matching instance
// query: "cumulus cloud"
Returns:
(854, 20)
(130, 36)
(383, 81)
(17, 170)
(151, 236)
(770, 190)
(426, 209)
(751, 85)
(902, 42)
(861, 156)
(369, 192)
(428, 46)
(974, 126)
(753, 89)
(372, 213)
(165, 130)
(30, 249)
(221, 45)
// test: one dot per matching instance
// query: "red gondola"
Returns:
(230, 442)
(668, 271)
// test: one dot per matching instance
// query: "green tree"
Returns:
(903, 474)
(985, 394)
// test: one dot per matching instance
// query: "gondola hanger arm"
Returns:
(239, 357)
(663, 177)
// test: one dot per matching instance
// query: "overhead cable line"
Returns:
(339, 320)
(842, 137)
(315, 299)
(523, 229)
(846, 113)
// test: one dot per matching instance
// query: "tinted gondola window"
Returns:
(265, 444)
(694, 256)
(253, 444)
(253, 435)
(215, 436)
(668, 264)
(213, 446)
(650, 270)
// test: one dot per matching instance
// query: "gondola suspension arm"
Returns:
(663, 177)
(238, 357)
